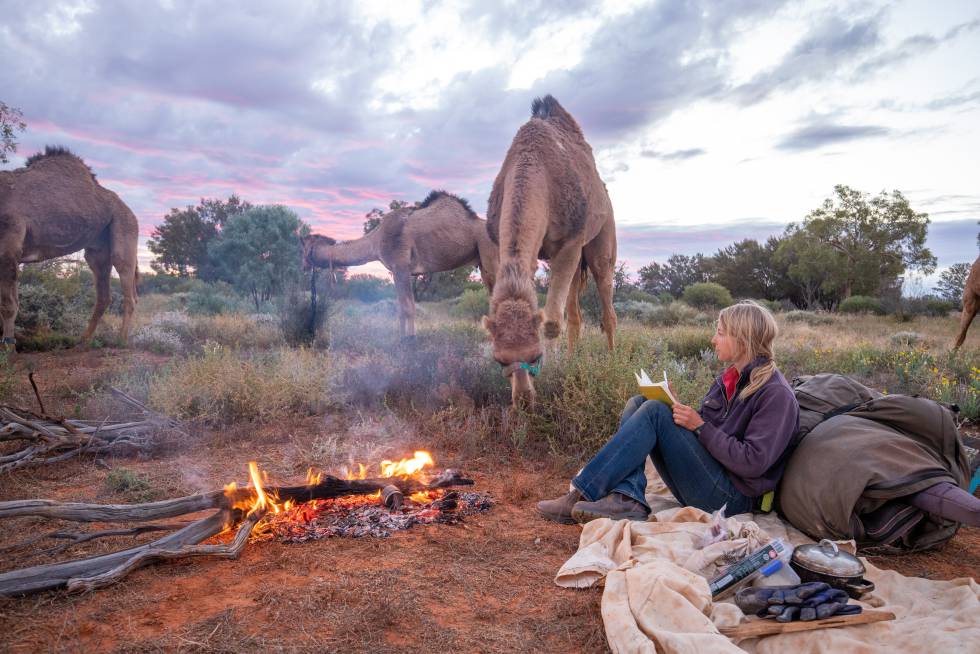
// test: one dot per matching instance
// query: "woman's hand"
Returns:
(686, 417)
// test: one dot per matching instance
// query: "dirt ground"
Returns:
(482, 586)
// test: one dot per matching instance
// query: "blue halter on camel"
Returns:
(533, 369)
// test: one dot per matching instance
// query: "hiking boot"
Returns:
(614, 506)
(560, 510)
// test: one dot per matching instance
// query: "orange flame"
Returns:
(406, 466)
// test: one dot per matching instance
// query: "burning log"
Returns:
(45, 440)
(247, 505)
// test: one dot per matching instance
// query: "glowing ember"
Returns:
(352, 515)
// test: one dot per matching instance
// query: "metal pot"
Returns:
(825, 562)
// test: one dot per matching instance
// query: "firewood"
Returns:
(99, 571)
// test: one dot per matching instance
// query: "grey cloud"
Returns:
(819, 134)
(910, 47)
(831, 44)
(689, 153)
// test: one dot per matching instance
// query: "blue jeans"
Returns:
(690, 472)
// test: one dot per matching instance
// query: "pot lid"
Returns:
(826, 557)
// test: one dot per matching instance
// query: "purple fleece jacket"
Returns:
(750, 437)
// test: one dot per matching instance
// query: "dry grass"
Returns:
(222, 386)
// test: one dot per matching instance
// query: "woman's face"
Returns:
(725, 346)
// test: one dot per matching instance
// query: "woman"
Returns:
(731, 452)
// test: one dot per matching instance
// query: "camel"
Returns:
(54, 206)
(971, 302)
(547, 202)
(442, 233)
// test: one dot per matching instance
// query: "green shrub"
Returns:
(134, 486)
(473, 304)
(905, 340)
(707, 295)
(209, 303)
(40, 308)
(365, 288)
(688, 342)
(296, 320)
(772, 305)
(660, 315)
(861, 304)
(808, 317)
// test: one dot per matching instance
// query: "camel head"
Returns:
(310, 244)
(513, 325)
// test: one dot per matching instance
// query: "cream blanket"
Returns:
(655, 601)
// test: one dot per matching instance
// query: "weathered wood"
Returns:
(58, 575)
(99, 571)
(163, 553)
(761, 627)
(329, 487)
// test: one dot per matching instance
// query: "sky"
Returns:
(710, 121)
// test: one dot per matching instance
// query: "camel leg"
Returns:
(100, 262)
(969, 311)
(126, 268)
(573, 308)
(8, 299)
(406, 304)
(564, 266)
(600, 254)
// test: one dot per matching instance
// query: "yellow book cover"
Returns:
(659, 391)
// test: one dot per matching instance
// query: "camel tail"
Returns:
(136, 282)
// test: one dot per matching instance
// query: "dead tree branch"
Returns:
(99, 571)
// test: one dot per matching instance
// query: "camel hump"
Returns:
(56, 153)
(435, 196)
(548, 108)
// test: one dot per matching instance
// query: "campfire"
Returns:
(376, 514)
(403, 494)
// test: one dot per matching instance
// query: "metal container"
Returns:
(825, 562)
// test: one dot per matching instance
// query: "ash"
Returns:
(361, 516)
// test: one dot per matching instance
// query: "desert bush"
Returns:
(357, 328)
(40, 308)
(435, 367)
(808, 317)
(659, 315)
(365, 288)
(297, 322)
(707, 295)
(773, 305)
(134, 486)
(157, 339)
(472, 304)
(258, 331)
(222, 386)
(861, 304)
(209, 302)
(905, 340)
(688, 342)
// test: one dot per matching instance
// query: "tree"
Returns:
(875, 240)
(673, 277)
(746, 268)
(11, 121)
(951, 282)
(259, 251)
(814, 280)
(181, 242)
(374, 216)
(442, 285)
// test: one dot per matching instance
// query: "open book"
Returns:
(655, 390)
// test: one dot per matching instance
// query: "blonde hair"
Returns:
(754, 329)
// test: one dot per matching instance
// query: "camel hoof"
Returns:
(552, 329)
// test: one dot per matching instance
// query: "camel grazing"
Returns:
(971, 302)
(547, 202)
(442, 233)
(52, 207)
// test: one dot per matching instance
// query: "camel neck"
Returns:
(351, 253)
